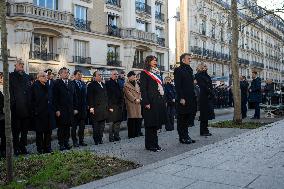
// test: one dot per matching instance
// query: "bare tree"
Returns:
(4, 54)
(234, 62)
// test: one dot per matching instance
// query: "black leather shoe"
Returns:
(62, 148)
(186, 141)
(75, 144)
(152, 149)
(67, 146)
(206, 134)
(117, 139)
(83, 144)
(111, 140)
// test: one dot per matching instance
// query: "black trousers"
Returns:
(63, 134)
(134, 127)
(43, 141)
(20, 132)
(114, 130)
(204, 127)
(183, 122)
(78, 121)
(171, 118)
(2, 136)
(244, 108)
(98, 131)
(151, 138)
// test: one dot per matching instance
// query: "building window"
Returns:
(160, 58)
(159, 32)
(42, 43)
(113, 55)
(213, 31)
(139, 56)
(141, 25)
(203, 28)
(50, 4)
(158, 8)
(112, 20)
(80, 12)
(80, 48)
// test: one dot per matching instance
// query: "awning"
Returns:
(85, 70)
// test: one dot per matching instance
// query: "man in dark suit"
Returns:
(186, 100)
(98, 104)
(244, 95)
(115, 100)
(255, 94)
(50, 85)
(20, 92)
(65, 107)
(79, 119)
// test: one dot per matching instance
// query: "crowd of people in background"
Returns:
(68, 103)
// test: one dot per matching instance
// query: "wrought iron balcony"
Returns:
(132, 33)
(161, 41)
(115, 63)
(82, 24)
(257, 64)
(114, 2)
(138, 65)
(113, 31)
(160, 16)
(82, 60)
(41, 55)
(143, 7)
(30, 10)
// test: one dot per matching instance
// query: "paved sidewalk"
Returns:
(253, 160)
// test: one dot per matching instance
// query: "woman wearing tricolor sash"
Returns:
(153, 102)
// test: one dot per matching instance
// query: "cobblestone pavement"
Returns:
(252, 160)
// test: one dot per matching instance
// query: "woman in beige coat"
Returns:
(132, 97)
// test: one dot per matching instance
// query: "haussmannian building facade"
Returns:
(87, 34)
(204, 30)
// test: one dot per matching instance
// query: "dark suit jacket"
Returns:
(97, 99)
(81, 98)
(184, 85)
(65, 102)
(51, 108)
(255, 87)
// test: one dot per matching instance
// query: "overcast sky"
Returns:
(173, 4)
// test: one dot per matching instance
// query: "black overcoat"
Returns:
(64, 101)
(40, 110)
(255, 90)
(97, 99)
(81, 98)
(20, 95)
(244, 91)
(51, 108)
(184, 85)
(156, 116)
(115, 101)
(206, 96)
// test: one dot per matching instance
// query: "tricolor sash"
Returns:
(154, 77)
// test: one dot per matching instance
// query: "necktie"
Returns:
(66, 82)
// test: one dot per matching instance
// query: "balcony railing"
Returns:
(138, 65)
(113, 31)
(82, 60)
(115, 63)
(32, 11)
(82, 24)
(133, 33)
(160, 16)
(161, 41)
(114, 2)
(257, 64)
(143, 7)
(37, 55)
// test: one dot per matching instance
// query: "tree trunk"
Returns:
(7, 111)
(234, 62)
